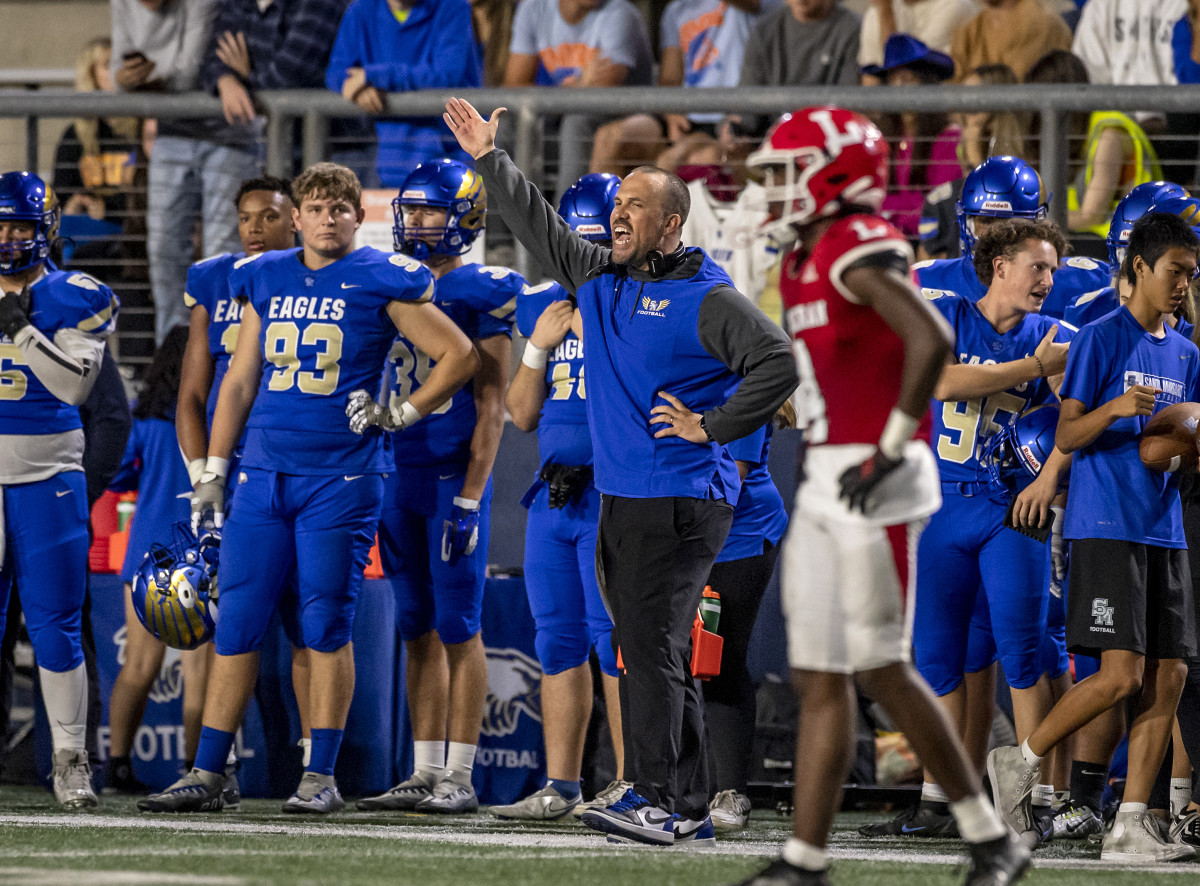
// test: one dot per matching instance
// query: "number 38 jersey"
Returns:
(481, 300)
(208, 287)
(960, 428)
(850, 360)
(324, 334)
(563, 436)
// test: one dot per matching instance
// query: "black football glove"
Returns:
(859, 481)
(14, 312)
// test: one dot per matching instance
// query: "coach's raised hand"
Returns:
(475, 135)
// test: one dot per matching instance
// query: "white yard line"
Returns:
(40, 877)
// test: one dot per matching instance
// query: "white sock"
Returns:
(933, 793)
(1043, 794)
(429, 757)
(1031, 759)
(804, 855)
(305, 745)
(1131, 808)
(1181, 795)
(460, 757)
(977, 820)
(65, 695)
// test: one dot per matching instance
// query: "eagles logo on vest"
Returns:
(654, 308)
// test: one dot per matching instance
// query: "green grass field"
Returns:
(40, 846)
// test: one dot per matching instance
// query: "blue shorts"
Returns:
(560, 579)
(431, 594)
(966, 551)
(319, 529)
(45, 557)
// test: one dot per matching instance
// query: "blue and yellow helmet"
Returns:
(1016, 455)
(25, 197)
(999, 187)
(175, 589)
(445, 184)
(588, 204)
(1133, 206)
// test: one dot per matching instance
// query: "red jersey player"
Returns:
(869, 351)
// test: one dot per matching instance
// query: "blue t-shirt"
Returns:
(961, 428)
(760, 515)
(60, 300)
(153, 465)
(956, 276)
(563, 436)
(1113, 495)
(208, 287)
(481, 300)
(324, 334)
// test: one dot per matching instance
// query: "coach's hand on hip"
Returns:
(679, 421)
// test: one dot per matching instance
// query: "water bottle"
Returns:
(125, 511)
(710, 610)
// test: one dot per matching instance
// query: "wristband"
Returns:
(535, 357)
(467, 504)
(405, 415)
(195, 469)
(218, 467)
(898, 431)
(1041, 368)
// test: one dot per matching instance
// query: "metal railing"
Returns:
(528, 107)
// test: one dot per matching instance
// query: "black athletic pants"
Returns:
(729, 703)
(655, 555)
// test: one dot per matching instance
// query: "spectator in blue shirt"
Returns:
(387, 46)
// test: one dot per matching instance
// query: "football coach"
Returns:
(666, 339)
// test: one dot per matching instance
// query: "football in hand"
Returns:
(1168, 441)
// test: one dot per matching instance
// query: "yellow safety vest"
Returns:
(1144, 166)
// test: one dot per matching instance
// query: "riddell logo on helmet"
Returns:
(999, 205)
(7, 210)
(590, 229)
(412, 194)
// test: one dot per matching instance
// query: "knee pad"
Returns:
(457, 627)
(1022, 669)
(56, 646)
(1052, 653)
(560, 650)
(602, 643)
(327, 624)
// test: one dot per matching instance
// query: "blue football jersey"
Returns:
(208, 286)
(1076, 277)
(482, 301)
(324, 334)
(1088, 307)
(60, 300)
(1113, 495)
(949, 276)
(961, 428)
(563, 436)
(956, 276)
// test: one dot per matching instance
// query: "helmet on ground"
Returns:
(999, 187)
(817, 161)
(442, 184)
(175, 589)
(588, 204)
(25, 197)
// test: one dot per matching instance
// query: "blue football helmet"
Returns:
(999, 187)
(1016, 455)
(445, 184)
(175, 589)
(588, 204)
(1133, 206)
(25, 197)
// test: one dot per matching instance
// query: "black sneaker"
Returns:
(781, 873)
(915, 821)
(998, 862)
(1186, 827)
(1043, 827)
(119, 779)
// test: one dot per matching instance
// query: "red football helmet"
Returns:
(817, 160)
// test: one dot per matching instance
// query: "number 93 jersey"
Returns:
(960, 428)
(65, 302)
(324, 334)
(563, 436)
(482, 301)
(849, 359)
(208, 287)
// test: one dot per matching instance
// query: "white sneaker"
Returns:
(1135, 839)
(405, 795)
(611, 794)
(545, 805)
(729, 810)
(1012, 787)
(73, 780)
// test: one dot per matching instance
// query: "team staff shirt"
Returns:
(481, 300)
(324, 334)
(760, 515)
(960, 428)
(615, 31)
(688, 332)
(562, 432)
(208, 287)
(1113, 495)
(956, 276)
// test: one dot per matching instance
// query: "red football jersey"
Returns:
(850, 360)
